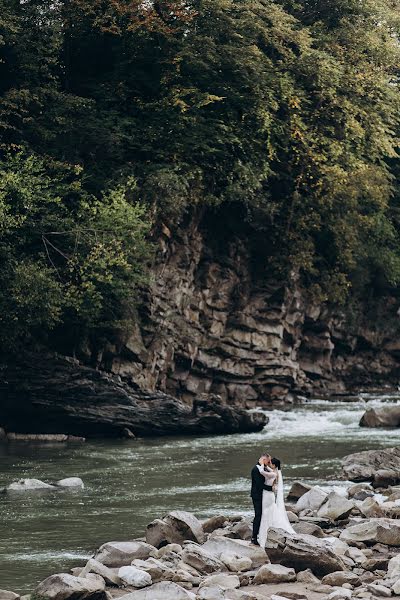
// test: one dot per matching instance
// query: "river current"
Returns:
(128, 483)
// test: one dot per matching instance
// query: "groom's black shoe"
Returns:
(255, 543)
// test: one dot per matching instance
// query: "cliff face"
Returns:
(215, 322)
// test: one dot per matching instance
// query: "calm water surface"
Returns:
(129, 483)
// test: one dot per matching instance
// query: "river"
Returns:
(128, 483)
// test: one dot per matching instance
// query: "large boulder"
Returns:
(336, 507)
(120, 554)
(388, 416)
(29, 485)
(274, 574)
(384, 531)
(219, 545)
(177, 527)
(236, 563)
(164, 590)
(311, 500)
(201, 559)
(63, 586)
(298, 490)
(302, 552)
(363, 466)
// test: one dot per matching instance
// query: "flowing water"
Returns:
(128, 483)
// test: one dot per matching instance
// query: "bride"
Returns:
(273, 510)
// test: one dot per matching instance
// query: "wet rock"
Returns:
(336, 507)
(363, 466)
(297, 490)
(236, 563)
(339, 578)
(93, 566)
(311, 500)
(164, 590)
(201, 559)
(120, 554)
(225, 581)
(218, 546)
(385, 531)
(29, 485)
(302, 552)
(274, 574)
(63, 586)
(135, 577)
(71, 482)
(387, 416)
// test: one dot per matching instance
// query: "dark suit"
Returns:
(257, 488)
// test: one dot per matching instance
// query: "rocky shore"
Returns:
(346, 545)
(53, 393)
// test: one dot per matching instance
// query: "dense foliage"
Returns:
(118, 114)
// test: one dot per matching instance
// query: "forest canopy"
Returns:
(116, 115)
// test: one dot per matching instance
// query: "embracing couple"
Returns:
(268, 499)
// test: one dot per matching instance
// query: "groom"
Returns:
(257, 487)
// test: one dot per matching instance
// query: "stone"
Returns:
(120, 554)
(355, 554)
(341, 594)
(274, 574)
(307, 576)
(133, 576)
(379, 590)
(298, 490)
(385, 478)
(164, 590)
(29, 485)
(363, 466)
(201, 559)
(385, 531)
(63, 586)
(336, 507)
(302, 552)
(155, 568)
(370, 508)
(393, 570)
(339, 578)
(6, 595)
(293, 518)
(177, 548)
(214, 592)
(71, 482)
(375, 563)
(241, 530)
(304, 527)
(222, 545)
(209, 525)
(175, 528)
(94, 566)
(387, 416)
(337, 546)
(236, 563)
(396, 588)
(224, 580)
(311, 500)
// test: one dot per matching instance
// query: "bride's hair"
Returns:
(277, 463)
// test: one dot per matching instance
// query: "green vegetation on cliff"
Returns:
(116, 115)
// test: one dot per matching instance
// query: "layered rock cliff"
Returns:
(216, 334)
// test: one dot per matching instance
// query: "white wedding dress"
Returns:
(274, 513)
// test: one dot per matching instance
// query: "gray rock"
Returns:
(311, 500)
(164, 590)
(274, 574)
(298, 490)
(201, 559)
(63, 586)
(224, 580)
(387, 416)
(29, 485)
(94, 566)
(304, 527)
(120, 554)
(393, 571)
(385, 531)
(135, 577)
(307, 576)
(175, 528)
(6, 595)
(379, 590)
(214, 592)
(341, 594)
(363, 466)
(339, 578)
(218, 546)
(336, 507)
(236, 563)
(71, 482)
(209, 525)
